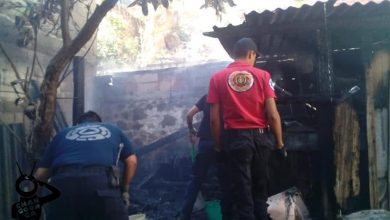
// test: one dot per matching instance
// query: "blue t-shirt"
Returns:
(87, 144)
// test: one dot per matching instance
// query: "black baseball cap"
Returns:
(243, 45)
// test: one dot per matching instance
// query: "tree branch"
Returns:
(91, 25)
(88, 6)
(65, 7)
(55, 26)
(40, 67)
(63, 56)
(66, 73)
(28, 80)
(90, 46)
(46, 110)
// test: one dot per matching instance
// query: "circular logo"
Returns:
(240, 81)
(88, 133)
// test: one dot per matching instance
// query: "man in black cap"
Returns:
(246, 97)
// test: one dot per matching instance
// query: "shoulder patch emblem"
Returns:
(240, 81)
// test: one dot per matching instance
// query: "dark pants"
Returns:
(84, 197)
(247, 153)
(227, 200)
(203, 160)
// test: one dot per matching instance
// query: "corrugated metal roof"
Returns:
(336, 3)
(299, 25)
(352, 2)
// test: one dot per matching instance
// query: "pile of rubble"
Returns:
(160, 194)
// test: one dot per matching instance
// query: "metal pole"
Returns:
(78, 87)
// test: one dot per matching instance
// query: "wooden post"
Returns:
(325, 61)
(325, 83)
(379, 69)
(346, 131)
(388, 127)
(371, 143)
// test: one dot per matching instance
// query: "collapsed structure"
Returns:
(330, 62)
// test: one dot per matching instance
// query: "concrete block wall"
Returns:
(152, 104)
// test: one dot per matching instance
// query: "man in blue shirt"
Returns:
(82, 162)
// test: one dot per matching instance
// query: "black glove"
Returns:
(282, 152)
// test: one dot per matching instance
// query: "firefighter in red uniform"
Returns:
(246, 96)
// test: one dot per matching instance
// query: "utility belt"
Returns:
(78, 169)
(265, 130)
(262, 130)
(112, 172)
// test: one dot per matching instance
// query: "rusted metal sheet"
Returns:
(11, 150)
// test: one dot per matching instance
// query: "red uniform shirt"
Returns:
(241, 91)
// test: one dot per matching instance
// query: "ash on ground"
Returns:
(160, 194)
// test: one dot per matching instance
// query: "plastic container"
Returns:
(137, 217)
(213, 210)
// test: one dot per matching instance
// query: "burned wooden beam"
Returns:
(346, 137)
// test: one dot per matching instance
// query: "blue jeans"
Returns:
(84, 197)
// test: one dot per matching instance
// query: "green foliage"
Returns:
(155, 3)
(218, 5)
(31, 15)
(118, 41)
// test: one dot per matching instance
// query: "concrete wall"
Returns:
(149, 105)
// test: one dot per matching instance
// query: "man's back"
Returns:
(81, 162)
(246, 96)
(86, 144)
(242, 90)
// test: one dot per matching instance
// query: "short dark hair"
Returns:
(89, 116)
(243, 46)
